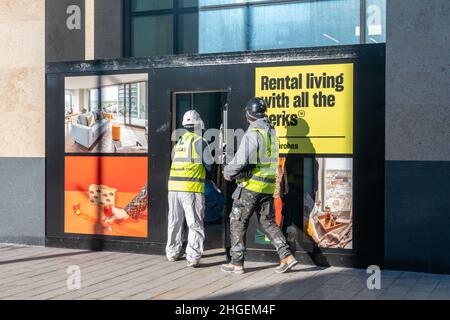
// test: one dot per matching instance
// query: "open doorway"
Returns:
(212, 107)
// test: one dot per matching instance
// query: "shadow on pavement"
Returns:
(333, 285)
(62, 255)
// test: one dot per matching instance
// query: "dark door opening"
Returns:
(211, 105)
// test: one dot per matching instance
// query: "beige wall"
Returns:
(90, 30)
(22, 78)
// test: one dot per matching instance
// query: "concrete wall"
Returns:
(33, 32)
(22, 205)
(108, 29)
(22, 129)
(62, 43)
(417, 135)
(100, 35)
(418, 80)
(22, 77)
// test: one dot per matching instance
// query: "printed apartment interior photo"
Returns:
(329, 219)
(106, 114)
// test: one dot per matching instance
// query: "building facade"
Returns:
(144, 36)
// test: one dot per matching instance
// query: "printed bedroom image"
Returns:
(106, 196)
(106, 114)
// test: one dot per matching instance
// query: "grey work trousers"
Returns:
(189, 206)
(245, 203)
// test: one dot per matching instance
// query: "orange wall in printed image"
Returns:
(127, 174)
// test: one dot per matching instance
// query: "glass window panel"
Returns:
(188, 33)
(152, 35)
(147, 5)
(94, 101)
(110, 99)
(376, 21)
(204, 3)
(222, 30)
(188, 3)
(134, 102)
(140, 117)
(68, 101)
(304, 24)
(275, 25)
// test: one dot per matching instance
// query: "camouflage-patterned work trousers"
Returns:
(245, 203)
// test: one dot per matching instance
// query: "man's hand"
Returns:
(286, 189)
(227, 178)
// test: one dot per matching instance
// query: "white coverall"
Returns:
(189, 206)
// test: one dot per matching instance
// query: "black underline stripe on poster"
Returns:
(318, 155)
(313, 137)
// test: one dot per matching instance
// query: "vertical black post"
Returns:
(362, 22)
(176, 14)
(127, 32)
(125, 104)
(248, 27)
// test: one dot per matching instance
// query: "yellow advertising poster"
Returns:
(310, 106)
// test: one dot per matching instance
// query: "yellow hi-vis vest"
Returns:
(262, 177)
(187, 173)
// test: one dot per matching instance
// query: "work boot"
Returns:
(175, 258)
(286, 264)
(193, 264)
(233, 268)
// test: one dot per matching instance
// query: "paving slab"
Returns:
(38, 273)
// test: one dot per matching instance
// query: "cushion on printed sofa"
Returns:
(91, 120)
(82, 119)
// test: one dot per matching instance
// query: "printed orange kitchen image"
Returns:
(106, 196)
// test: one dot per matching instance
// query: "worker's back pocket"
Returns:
(237, 193)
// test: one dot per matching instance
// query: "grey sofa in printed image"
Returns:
(89, 128)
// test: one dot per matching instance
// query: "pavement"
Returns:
(38, 273)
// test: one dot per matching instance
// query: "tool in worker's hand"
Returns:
(216, 188)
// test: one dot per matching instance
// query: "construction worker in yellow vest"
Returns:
(254, 168)
(192, 164)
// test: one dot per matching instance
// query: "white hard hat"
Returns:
(192, 118)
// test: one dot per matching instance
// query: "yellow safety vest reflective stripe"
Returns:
(262, 177)
(187, 173)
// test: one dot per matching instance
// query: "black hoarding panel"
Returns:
(236, 74)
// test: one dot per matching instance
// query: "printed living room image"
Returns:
(106, 114)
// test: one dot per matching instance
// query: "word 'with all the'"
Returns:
(319, 100)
